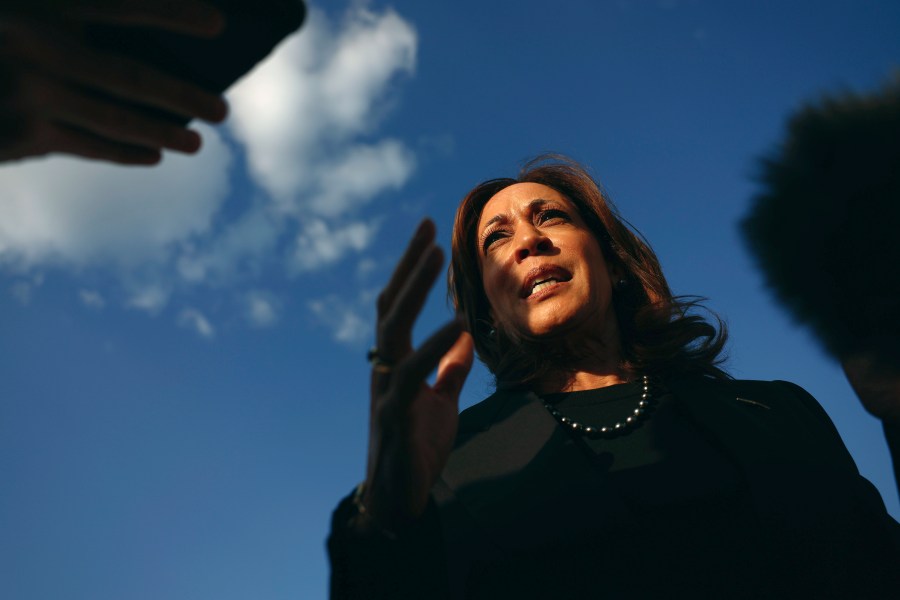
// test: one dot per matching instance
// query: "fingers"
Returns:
(69, 97)
(53, 54)
(80, 143)
(132, 80)
(455, 366)
(21, 138)
(119, 124)
(28, 129)
(411, 373)
(423, 236)
(65, 119)
(192, 17)
(399, 305)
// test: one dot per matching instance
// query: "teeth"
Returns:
(542, 284)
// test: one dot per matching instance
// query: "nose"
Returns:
(531, 241)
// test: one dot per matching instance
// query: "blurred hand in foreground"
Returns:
(58, 95)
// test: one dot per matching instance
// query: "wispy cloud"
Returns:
(193, 319)
(91, 299)
(23, 289)
(349, 321)
(237, 251)
(262, 308)
(319, 244)
(150, 298)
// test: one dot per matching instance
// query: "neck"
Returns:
(599, 368)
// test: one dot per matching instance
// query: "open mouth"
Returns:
(543, 284)
(542, 278)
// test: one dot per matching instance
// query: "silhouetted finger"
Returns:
(395, 328)
(132, 80)
(411, 373)
(420, 240)
(455, 365)
(23, 135)
(116, 75)
(117, 122)
(79, 143)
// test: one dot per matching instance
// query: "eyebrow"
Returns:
(503, 217)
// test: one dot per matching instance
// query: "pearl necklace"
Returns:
(607, 431)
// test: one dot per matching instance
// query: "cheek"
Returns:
(491, 278)
(492, 284)
(496, 289)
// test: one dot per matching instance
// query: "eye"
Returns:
(492, 237)
(551, 215)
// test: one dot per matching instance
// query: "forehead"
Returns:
(518, 198)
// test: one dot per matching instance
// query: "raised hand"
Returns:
(59, 95)
(412, 423)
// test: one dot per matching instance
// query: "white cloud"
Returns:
(73, 212)
(149, 298)
(359, 175)
(262, 309)
(91, 299)
(192, 318)
(351, 328)
(239, 248)
(319, 244)
(346, 321)
(302, 110)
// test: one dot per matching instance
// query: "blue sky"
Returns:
(183, 396)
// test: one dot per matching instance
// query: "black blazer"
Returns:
(501, 510)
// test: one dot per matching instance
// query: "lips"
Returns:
(543, 276)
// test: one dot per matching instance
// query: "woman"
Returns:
(616, 458)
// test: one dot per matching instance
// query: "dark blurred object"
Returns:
(826, 227)
(252, 30)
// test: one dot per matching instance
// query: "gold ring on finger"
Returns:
(379, 364)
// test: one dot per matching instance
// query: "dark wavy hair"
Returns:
(660, 335)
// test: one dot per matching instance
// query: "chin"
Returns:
(550, 330)
(577, 325)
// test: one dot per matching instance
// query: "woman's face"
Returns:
(542, 269)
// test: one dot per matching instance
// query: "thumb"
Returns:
(455, 366)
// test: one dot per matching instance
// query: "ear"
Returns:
(616, 272)
(493, 322)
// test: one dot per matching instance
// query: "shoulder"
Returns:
(781, 400)
(778, 415)
(496, 407)
(481, 413)
(774, 395)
